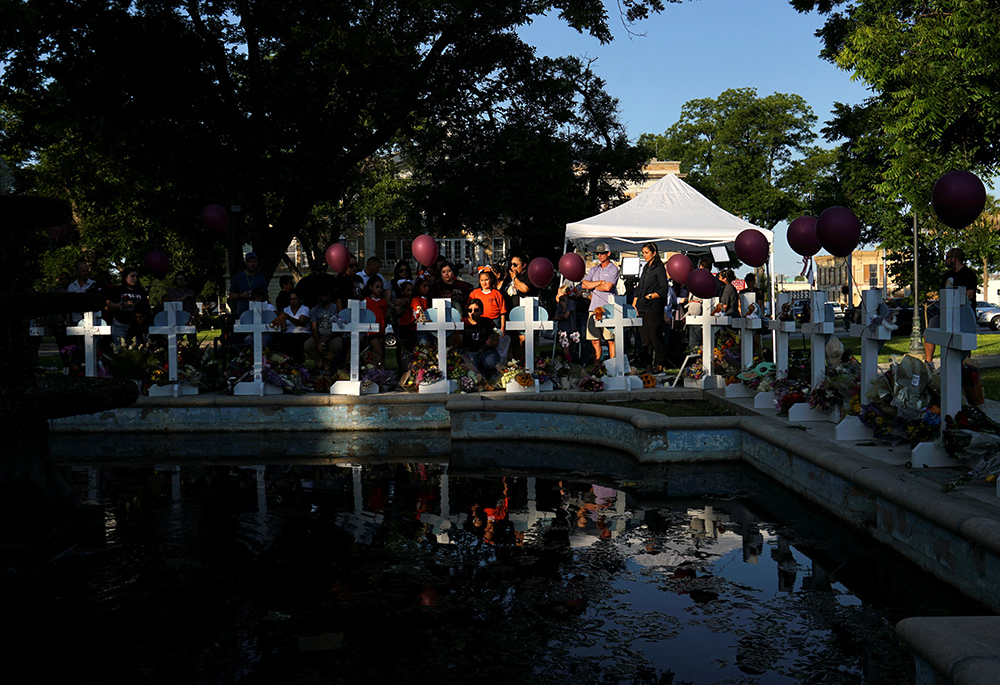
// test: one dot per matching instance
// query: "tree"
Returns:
(933, 67)
(745, 152)
(553, 150)
(275, 107)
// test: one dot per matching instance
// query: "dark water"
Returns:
(424, 573)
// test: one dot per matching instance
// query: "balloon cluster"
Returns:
(837, 230)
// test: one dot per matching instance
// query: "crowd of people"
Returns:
(308, 311)
(309, 322)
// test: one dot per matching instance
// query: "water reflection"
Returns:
(425, 572)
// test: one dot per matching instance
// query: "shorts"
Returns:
(595, 332)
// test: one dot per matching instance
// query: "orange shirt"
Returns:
(381, 309)
(493, 303)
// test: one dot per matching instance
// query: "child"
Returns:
(372, 294)
(419, 304)
(494, 306)
(406, 327)
(565, 317)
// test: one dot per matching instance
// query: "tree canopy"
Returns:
(142, 113)
(751, 155)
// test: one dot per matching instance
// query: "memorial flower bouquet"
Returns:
(545, 369)
(591, 384)
(926, 427)
(134, 361)
(969, 435)
(514, 371)
(385, 379)
(826, 396)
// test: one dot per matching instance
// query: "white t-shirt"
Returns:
(291, 327)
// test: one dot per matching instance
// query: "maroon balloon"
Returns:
(338, 257)
(752, 247)
(958, 198)
(679, 267)
(157, 263)
(540, 272)
(572, 267)
(215, 219)
(802, 236)
(702, 283)
(838, 230)
(424, 249)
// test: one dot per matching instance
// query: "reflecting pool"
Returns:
(424, 572)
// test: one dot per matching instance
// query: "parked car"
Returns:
(838, 310)
(988, 315)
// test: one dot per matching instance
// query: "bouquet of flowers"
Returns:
(926, 427)
(789, 391)
(544, 369)
(591, 384)
(514, 372)
(383, 378)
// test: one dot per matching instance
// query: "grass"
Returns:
(899, 346)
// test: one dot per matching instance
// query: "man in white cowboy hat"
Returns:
(600, 281)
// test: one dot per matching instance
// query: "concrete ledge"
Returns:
(964, 649)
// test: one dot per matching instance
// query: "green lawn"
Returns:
(898, 346)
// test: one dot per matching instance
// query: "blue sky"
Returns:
(700, 49)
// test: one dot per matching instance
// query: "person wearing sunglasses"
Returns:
(480, 339)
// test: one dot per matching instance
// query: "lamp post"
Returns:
(915, 341)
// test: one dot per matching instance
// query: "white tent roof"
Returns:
(669, 213)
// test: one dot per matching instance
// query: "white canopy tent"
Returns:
(669, 213)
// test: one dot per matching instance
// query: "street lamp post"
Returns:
(915, 341)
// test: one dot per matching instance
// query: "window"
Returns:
(406, 248)
(390, 255)
(499, 250)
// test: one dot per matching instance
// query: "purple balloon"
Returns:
(802, 236)
(752, 247)
(157, 263)
(702, 283)
(838, 230)
(540, 272)
(424, 249)
(215, 219)
(679, 267)
(958, 198)
(338, 257)
(572, 267)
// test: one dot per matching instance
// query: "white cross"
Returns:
(619, 316)
(871, 337)
(443, 318)
(747, 326)
(256, 320)
(529, 317)
(89, 330)
(956, 336)
(358, 319)
(781, 331)
(820, 328)
(172, 322)
(708, 325)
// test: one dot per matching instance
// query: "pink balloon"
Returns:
(424, 249)
(958, 198)
(572, 267)
(752, 247)
(802, 236)
(215, 219)
(702, 283)
(540, 272)
(338, 257)
(679, 267)
(157, 263)
(838, 230)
